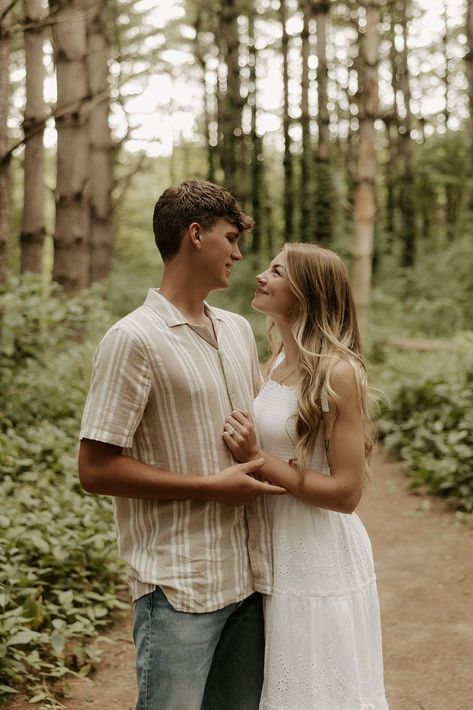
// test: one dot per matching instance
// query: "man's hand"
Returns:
(240, 436)
(236, 486)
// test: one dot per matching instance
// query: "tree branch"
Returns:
(126, 180)
(39, 126)
(7, 10)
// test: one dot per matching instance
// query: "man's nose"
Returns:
(237, 255)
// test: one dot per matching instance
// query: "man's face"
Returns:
(220, 251)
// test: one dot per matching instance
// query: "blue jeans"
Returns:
(209, 661)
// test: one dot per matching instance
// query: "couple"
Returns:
(222, 499)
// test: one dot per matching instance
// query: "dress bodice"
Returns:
(275, 417)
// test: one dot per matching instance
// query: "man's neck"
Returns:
(186, 296)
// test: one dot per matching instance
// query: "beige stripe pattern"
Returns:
(161, 389)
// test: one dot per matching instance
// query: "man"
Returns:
(191, 523)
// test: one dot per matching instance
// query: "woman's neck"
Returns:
(290, 347)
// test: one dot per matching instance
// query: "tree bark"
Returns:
(33, 224)
(101, 143)
(306, 162)
(469, 75)
(231, 115)
(407, 202)
(450, 202)
(4, 106)
(365, 201)
(323, 176)
(199, 51)
(392, 123)
(392, 131)
(257, 152)
(288, 198)
(71, 238)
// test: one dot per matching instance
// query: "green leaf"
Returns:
(23, 637)
(57, 641)
(4, 689)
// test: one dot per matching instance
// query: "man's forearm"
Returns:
(123, 476)
(104, 470)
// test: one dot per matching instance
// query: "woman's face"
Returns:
(274, 296)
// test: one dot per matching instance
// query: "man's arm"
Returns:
(103, 469)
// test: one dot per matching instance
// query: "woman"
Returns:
(323, 637)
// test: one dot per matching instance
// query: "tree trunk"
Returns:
(231, 114)
(407, 202)
(450, 207)
(390, 168)
(469, 75)
(392, 123)
(323, 176)
(101, 143)
(288, 199)
(71, 238)
(33, 225)
(365, 202)
(351, 150)
(199, 51)
(257, 154)
(306, 163)
(4, 105)
(446, 73)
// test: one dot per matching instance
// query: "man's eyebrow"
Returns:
(233, 234)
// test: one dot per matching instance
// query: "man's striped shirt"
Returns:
(161, 389)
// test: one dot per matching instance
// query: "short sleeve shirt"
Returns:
(161, 389)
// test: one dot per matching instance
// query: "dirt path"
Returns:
(424, 565)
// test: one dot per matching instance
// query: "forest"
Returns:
(342, 122)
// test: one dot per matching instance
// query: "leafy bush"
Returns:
(431, 299)
(429, 425)
(57, 552)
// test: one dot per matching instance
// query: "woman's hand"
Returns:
(240, 436)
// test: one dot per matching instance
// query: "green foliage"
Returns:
(429, 424)
(432, 299)
(443, 163)
(57, 552)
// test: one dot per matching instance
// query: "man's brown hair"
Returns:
(193, 201)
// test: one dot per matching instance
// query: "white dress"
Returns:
(323, 632)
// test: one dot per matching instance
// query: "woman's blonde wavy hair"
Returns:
(326, 331)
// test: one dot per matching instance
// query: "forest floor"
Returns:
(424, 562)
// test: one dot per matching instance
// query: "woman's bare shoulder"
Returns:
(343, 375)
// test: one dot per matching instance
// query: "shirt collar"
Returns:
(170, 313)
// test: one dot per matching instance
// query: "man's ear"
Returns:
(195, 235)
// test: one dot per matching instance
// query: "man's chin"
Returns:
(224, 283)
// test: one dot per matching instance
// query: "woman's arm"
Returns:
(344, 442)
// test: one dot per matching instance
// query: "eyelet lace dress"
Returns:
(323, 633)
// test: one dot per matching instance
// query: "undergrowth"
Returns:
(58, 563)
